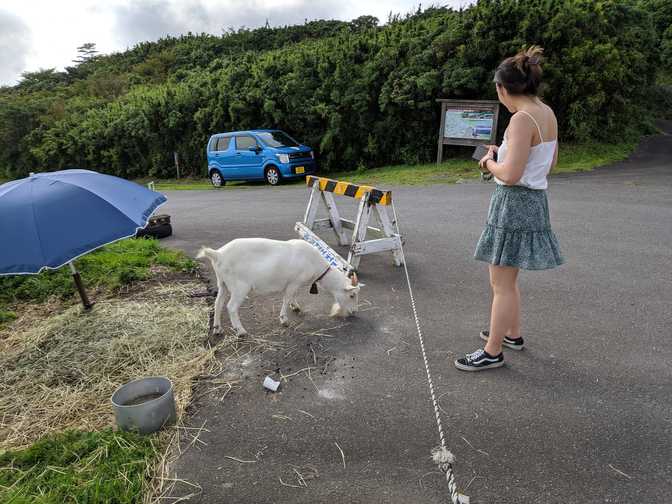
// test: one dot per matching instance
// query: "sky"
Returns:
(37, 34)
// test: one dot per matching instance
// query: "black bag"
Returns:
(158, 227)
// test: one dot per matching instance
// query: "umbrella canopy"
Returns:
(49, 219)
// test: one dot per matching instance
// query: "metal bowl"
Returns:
(145, 405)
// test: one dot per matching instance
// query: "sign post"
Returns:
(467, 122)
(176, 158)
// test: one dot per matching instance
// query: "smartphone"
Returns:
(480, 151)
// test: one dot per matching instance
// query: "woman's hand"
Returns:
(492, 149)
(482, 163)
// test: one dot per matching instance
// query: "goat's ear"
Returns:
(349, 288)
(353, 279)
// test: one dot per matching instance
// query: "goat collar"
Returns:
(313, 288)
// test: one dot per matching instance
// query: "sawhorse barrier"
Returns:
(371, 201)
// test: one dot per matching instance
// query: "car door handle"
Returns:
(239, 153)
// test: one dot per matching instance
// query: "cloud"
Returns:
(149, 20)
(15, 45)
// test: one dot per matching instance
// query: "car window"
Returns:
(245, 142)
(277, 139)
(223, 143)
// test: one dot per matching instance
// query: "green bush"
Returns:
(358, 92)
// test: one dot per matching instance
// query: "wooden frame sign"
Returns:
(467, 122)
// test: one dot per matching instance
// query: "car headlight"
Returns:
(284, 158)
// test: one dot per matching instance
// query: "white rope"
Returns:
(441, 455)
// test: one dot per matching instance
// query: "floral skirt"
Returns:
(518, 231)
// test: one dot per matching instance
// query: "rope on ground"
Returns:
(441, 456)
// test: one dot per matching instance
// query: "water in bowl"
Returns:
(142, 399)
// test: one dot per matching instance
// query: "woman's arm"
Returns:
(555, 157)
(519, 138)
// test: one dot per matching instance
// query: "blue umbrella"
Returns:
(49, 219)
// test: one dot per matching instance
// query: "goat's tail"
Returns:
(207, 252)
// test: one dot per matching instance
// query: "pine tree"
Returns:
(85, 52)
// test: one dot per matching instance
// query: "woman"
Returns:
(518, 232)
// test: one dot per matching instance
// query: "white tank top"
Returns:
(538, 162)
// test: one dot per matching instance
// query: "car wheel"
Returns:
(216, 178)
(272, 175)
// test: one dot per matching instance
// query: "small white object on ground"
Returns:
(271, 384)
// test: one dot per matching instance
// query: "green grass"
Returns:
(112, 266)
(585, 157)
(447, 172)
(200, 184)
(103, 467)
(573, 158)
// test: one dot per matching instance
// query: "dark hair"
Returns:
(521, 74)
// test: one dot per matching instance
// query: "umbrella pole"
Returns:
(80, 287)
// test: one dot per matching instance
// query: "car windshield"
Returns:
(277, 139)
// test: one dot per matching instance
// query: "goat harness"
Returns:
(313, 287)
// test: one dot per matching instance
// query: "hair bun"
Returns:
(521, 74)
(533, 55)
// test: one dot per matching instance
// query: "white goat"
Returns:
(270, 266)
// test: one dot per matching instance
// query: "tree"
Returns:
(357, 92)
(41, 80)
(85, 53)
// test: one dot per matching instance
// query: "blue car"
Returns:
(270, 155)
(482, 130)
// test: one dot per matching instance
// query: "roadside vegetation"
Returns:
(573, 158)
(110, 267)
(360, 93)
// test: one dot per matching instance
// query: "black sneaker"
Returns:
(513, 344)
(479, 360)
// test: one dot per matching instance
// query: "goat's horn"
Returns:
(354, 279)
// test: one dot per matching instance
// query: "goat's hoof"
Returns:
(284, 321)
(295, 307)
(216, 330)
(241, 333)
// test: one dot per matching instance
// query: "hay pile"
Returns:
(59, 373)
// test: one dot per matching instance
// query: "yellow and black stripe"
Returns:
(354, 191)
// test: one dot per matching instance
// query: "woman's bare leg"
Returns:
(514, 330)
(505, 314)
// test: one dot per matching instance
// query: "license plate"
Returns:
(300, 169)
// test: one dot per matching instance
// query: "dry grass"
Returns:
(59, 372)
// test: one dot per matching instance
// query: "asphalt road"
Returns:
(584, 414)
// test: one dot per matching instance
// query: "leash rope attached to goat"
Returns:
(441, 455)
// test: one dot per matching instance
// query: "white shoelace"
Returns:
(475, 355)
